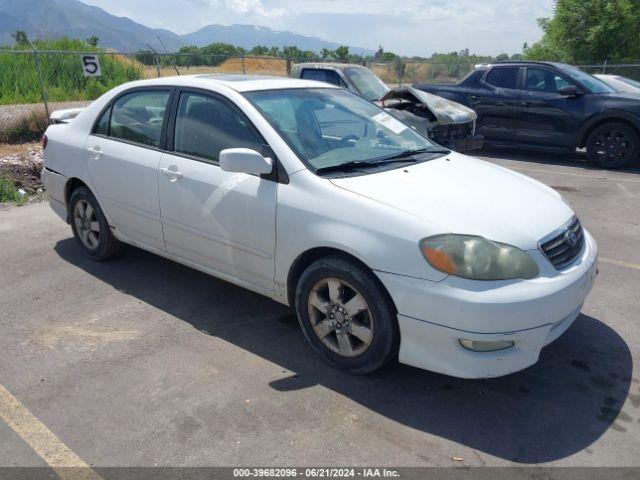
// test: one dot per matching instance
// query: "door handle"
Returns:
(97, 153)
(527, 104)
(474, 98)
(171, 173)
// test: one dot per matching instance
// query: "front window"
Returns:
(328, 128)
(366, 82)
(542, 80)
(206, 125)
(592, 83)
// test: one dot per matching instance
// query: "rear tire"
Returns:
(613, 145)
(346, 315)
(90, 226)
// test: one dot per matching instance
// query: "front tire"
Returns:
(613, 145)
(90, 226)
(346, 316)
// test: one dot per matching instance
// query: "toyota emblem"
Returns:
(571, 238)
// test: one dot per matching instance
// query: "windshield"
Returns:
(592, 83)
(368, 85)
(329, 127)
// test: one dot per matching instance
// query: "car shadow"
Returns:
(547, 412)
(577, 159)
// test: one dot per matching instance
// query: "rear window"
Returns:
(137, 117)
(327, 76)
(503, 77)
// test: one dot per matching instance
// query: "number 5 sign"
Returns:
(91, 66)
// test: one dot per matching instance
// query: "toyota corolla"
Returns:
(388, 246)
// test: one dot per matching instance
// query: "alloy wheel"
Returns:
(340, 317)
(613, 145)
(87, 225)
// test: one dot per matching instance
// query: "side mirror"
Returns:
(244, 160)
(570, 91)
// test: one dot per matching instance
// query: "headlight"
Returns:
(477, 258)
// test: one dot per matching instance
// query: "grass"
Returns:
(9, 192)
(62, 74)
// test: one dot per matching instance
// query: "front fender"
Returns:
(381, 237)
(608, 115)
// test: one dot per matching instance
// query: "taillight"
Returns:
(43, 141)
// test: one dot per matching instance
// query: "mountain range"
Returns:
(46, 19)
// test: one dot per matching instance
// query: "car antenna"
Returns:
(165, 51)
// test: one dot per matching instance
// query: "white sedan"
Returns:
(387, 245)
(620, 83)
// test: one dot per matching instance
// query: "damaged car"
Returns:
(447, 123)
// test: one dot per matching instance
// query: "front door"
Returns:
(221, 221)
(123, 154)
(548, 118)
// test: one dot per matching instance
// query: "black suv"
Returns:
(550, 106)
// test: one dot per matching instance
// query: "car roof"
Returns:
(521, 63)
(339, 66)
(237, 82)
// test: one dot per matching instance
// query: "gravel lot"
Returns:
(141, 361)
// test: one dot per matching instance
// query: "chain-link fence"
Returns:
(29, 78)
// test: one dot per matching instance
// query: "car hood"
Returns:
(464, 195)
(444, 110)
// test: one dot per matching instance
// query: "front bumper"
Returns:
(434, 316)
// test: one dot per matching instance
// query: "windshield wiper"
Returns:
(354, 165)
(411, 153)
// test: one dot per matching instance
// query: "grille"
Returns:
(453, 131)
(563, 249)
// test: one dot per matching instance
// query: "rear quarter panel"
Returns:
(64, 155)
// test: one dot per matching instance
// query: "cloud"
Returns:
(250, 7)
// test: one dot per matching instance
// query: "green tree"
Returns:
(295, 53)
(20, 37)
(93, 41)
(326, 53)
(589, 30)
(259, 51)
(387, 56)
(342, 53)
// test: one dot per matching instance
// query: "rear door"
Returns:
(123, 154)
(221, 221)
(496, 102)
(546, 117)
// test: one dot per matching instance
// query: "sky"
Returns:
(407, 27)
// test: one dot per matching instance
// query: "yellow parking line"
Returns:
(554, 172)
(620, 263)
(56, 454)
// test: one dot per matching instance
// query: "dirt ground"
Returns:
(22, 164)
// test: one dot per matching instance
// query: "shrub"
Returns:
(28, 129)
